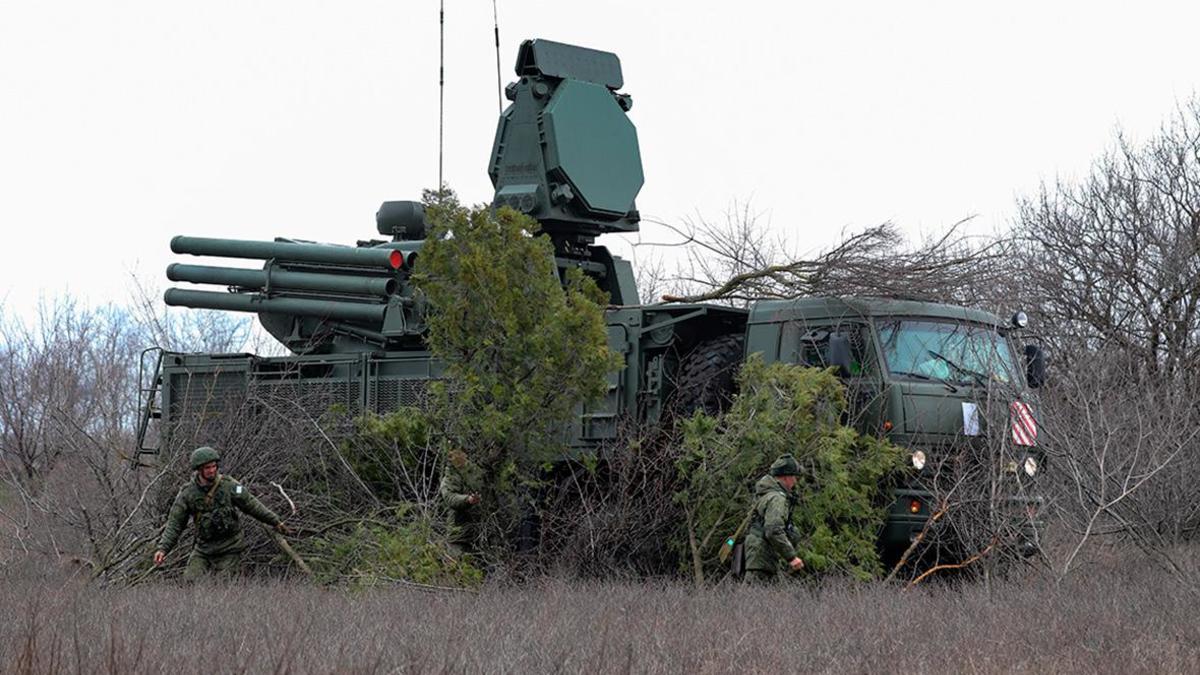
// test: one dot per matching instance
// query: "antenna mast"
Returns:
(441, 89)
(499, 86)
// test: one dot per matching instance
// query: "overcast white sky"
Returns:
(123, 123)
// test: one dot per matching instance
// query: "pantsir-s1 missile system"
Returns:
(566, 153)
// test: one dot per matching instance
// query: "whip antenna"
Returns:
(441, 89)
(499, 85)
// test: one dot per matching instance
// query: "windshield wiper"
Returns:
(922, 376)
(979, 378)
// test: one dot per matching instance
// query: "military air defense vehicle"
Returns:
(566, 154)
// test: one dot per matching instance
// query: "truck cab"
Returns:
(946, 383)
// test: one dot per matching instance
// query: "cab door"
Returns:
(808, 343)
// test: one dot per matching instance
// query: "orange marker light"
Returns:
(914, 506)
(887, 426)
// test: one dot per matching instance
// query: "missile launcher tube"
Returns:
(243, 302)
(282, 279)
(268, 250)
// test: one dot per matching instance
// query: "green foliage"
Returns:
(389, 452)
(401, 545)
(785, 408)
(393, 529)
(523, 348)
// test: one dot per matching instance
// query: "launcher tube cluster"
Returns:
(305, 294)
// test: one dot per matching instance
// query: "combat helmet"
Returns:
(203, 455)
(786, 465)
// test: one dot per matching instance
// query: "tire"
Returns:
(706, 379)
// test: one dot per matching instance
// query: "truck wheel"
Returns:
(706, 376)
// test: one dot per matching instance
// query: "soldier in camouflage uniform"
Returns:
(771, 540)
(212, 502)
(461, 485)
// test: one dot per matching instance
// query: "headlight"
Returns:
(918, 460)
(1030, 466)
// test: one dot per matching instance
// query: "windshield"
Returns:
(946, 351)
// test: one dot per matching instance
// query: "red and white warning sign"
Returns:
(1024, 428)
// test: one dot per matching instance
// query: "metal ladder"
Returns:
(149, 403)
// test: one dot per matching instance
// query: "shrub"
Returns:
(403, 544)
(784, 408)
(523, 349)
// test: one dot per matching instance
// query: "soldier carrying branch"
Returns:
(212, 502)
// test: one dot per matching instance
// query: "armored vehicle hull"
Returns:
(930, 377)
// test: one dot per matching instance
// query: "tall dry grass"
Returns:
(1118, 620)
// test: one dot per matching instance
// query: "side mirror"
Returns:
(1035, 366)
(837, 354)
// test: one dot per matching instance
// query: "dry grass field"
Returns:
(1118, 620)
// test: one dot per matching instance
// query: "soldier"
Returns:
(212, 502)
(460, 488)
(770, 540)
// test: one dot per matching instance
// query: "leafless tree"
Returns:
(1109, 269)
(1114, 259)
(1123, 468)
(737, 261)
(65, 370)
